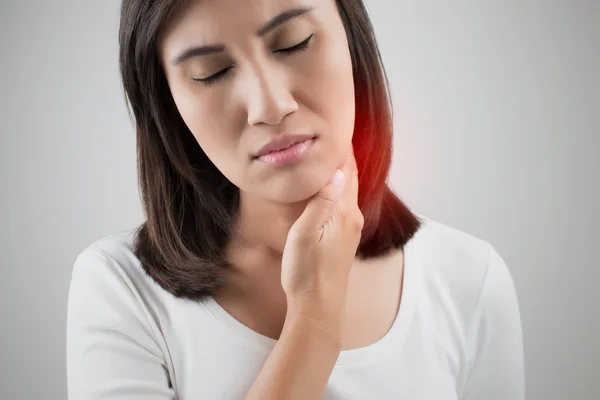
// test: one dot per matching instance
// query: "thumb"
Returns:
(321, 206)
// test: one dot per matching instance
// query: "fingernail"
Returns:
(337, 178)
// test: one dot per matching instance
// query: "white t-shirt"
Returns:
(457, 334)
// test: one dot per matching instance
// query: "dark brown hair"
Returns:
(190, 206)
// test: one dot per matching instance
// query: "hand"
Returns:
(320, 249)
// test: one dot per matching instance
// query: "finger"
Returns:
(353, 179)
(346, 168)
(320, 207)
(350, 194)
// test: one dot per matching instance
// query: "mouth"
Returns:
(286, 147)
(291, 154)
(282, 142)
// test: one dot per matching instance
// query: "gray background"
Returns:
(497, 131)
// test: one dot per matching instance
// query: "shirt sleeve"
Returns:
(111, 348)
(495, 340)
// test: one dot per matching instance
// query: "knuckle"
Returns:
(359, 221)
(357, 226)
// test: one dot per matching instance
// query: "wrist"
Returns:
(316, 321)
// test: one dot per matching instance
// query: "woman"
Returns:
(261, 271)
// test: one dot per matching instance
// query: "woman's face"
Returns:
(259, 91)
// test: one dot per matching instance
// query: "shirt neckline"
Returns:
(390, 342)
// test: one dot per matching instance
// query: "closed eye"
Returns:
(303, 45)
(299, 47)
(213, 78)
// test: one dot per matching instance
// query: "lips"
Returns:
(282, 142)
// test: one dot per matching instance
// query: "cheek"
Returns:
(211, 129)
(336, 95)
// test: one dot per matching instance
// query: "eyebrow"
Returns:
(273, 23)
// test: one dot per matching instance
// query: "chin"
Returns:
(303, 180)
(298, 187)
(292, 197)
(295, 193)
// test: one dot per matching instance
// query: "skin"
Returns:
(264, 94)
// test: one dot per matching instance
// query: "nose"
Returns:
(270, 99)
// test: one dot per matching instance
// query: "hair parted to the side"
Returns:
(190, 206)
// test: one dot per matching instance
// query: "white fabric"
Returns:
(457, 335)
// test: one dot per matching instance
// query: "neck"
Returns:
(263, 225)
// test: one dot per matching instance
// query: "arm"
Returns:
(111, 348)
(496, 358)
(301, 362)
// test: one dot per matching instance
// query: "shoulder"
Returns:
(108, 275)
(448, 252)
(112, 255)
(471, 298)
(118, 248)
(455, 267)
(113, 324)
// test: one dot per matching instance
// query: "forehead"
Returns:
(223, 20)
